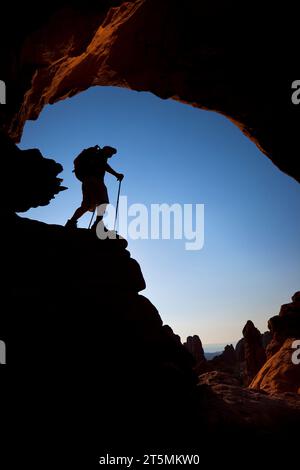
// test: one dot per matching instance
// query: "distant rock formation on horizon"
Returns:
(255, 355)
(193, 344)
(261, 361)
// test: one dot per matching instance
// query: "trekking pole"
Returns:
(92, 219)
(117, 208)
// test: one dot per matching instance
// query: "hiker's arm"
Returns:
(110, 170)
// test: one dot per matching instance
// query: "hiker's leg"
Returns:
(72, 223)
(100, 212)
(99, 219)
(87, 203)
(79, 212)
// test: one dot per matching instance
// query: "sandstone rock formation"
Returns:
(246, 409)
(250, 351)
(254, 351)
(246, 363)
(194, 345)
(201, 54)
(279, 374)
(30, 179)
(266, 339)
(284, 325)
(98, 348)
(90, 351)
(225, 362)
(218, 377)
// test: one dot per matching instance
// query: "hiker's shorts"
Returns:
(94, 193)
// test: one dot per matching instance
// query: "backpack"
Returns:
(85, 163)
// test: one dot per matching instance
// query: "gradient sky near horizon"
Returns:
(174, 153)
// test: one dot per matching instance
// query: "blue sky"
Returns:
(174, 153)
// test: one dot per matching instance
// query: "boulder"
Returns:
(284, 325)
(280, 373)
(254, 351)
(194, 346)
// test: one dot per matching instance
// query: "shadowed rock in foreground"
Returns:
(94, 362)
(246, 409)
(30, 179)
(93, 357)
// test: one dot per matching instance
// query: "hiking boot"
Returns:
(95, 225)
(71, 224)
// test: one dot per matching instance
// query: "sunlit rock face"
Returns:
(201, 53)
(281, 373)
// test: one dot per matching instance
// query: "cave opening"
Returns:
(173, 153)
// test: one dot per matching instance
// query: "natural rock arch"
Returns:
(206, 55)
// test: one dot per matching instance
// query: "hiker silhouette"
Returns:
(90, 167)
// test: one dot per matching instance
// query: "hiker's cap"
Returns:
(109, 149)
